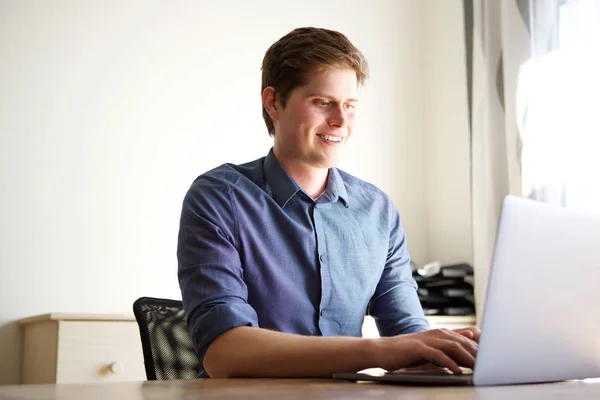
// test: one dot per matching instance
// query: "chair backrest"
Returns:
(166, 342)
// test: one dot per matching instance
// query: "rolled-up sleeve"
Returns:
(395, 305)
(209, 266)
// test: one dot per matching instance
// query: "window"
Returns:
(558, 105)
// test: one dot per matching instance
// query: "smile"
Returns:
(335, 139)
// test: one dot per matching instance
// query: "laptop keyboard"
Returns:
(428, 372)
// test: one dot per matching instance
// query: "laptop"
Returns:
(540, 322)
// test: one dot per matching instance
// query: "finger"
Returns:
(442, 360)
(469, 336)
(472, 333)
(456, 350)
(455, 336)
(465, 333)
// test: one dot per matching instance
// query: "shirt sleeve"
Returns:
(210, 271)
(395, 305)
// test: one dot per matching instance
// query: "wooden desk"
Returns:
(291, 389)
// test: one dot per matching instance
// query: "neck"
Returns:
(311, 179)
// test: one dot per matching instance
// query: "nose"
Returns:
(338, 117)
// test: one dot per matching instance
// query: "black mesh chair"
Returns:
(166, 342)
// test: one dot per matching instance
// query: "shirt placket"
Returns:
(325, 322)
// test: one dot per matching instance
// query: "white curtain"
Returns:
(497, 37)
(558, 104)
(534, 88)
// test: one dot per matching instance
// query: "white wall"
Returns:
(445, 126)
(108, 110)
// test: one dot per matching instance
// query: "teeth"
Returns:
(331, 138)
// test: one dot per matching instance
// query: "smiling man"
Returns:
(312, 128)
(280, 258)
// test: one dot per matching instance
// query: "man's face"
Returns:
(317, 120)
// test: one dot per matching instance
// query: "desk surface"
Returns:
(290, 389)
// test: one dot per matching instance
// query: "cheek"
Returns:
(350, 124)
(309, 115)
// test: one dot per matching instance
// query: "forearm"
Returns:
(255, 352)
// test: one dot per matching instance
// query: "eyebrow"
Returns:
(326, 96)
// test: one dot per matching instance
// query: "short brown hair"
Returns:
(288, 61)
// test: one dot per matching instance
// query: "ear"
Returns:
(269, 101)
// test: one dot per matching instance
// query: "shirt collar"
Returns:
(280, 182)
(284, 187)
(336, 188)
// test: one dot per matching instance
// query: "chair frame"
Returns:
(145, 332)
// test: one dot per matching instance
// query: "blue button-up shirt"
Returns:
(255, 250)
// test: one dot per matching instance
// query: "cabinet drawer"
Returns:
(99, 351)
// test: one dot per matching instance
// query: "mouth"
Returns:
(330, 139)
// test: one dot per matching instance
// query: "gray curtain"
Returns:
(497, 43)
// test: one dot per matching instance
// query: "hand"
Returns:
(442, 347)
(471, 332)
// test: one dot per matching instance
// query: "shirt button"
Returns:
(321, 313)
(322, 257)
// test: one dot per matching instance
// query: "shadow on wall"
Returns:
(11, 344)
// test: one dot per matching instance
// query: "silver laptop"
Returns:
(540, 322)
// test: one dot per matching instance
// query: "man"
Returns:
(280, 258)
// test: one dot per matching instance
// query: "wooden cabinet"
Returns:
(79, 348)
(451, 321)
(88, 348)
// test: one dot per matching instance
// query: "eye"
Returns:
(350, 106)
(323, 103)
